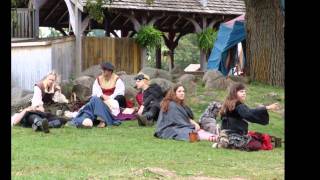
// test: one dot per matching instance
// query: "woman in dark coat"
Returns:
(235, 116)
(175, 119)
(150, 97)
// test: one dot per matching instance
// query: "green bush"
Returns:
(206, 39)
(148, 37)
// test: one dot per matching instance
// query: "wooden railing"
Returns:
(22, 23)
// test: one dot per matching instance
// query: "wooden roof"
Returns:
(225, 7)
(173, 14)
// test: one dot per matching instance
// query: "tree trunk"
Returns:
(265, 41)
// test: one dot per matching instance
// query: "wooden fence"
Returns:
(124, 53)
(22, 23)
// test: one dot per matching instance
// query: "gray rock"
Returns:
(220, 83)
(86, 81)
(187, 78)
(211, 75)
(66, 88)
(157, 73)
(128, 80)
(120, 73)
(83, 93)
(163, 83)
(93, 71)
(189, 83)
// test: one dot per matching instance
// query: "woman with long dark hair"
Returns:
(175, 119)
(235, 116)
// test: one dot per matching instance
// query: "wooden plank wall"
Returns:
(30, 63)
(63, 57)
(24, 27)
(124, 53)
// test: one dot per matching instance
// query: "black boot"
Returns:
(40, 124)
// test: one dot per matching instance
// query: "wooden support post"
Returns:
(36, 7)
(158, 57)
(78, 49)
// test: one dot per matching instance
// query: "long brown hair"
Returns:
(232, 98)
(171, 96)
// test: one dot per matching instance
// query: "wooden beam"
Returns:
(85, 24)
(79, 6)
(126, 21)
(185, 25)
(36, 6)
(204, 22)
(71, 14)
(214, 21)
(135, 22)
(52, 10)
(154, 19)
(114, 19)
(77, 33)
(197, 27)
(63, 15)
(165, 20)
(174, 24)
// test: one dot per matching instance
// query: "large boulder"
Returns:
(128, 80)
(189, 83)
(156, 73)
(120, 73)
(86, 81)
(93, 71)
(163, 83)
(82, 92)
(20, 99)
(83, 87)
(17, 94)
(220, 83)
(66, 88)
(211, 75)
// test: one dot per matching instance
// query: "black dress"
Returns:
(152, 97)
(237, 120)
(234, 127)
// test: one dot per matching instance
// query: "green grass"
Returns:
(120, 152)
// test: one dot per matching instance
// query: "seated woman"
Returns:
(151, 97)
(94, 111)
(235, 116)
(36, 115)
(109, 86)
(175, 118)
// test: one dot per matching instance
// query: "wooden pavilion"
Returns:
(174, 17)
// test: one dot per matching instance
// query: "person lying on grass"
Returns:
(235, 116)
(175, 119)
(151, 96)
(45, 94)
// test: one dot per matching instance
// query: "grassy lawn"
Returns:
(125, 152)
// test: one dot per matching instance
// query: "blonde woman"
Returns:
(151, 97)
(43, 94)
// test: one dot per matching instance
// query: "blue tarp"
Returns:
(229, 35)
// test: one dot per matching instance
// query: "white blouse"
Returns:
(119, 89)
